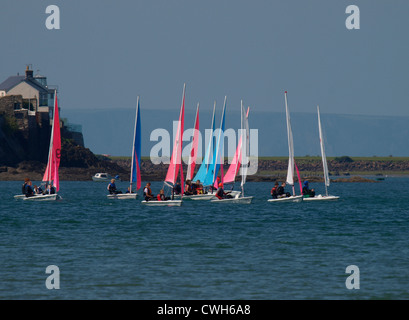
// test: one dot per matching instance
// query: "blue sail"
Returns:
(201, 173)
(136, 150)
(214, 166)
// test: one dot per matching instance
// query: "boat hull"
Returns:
(169, 203)
(287, 199)
(122, 196)
(241, 200)
(207, 196)
(321, 198)
(44, 197)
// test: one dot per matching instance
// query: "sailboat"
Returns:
(51, 176)
(203, 169)
(214, 167)
(175, 163)
(136, 161)
(291, 162)
(241, 157)
(325, 167)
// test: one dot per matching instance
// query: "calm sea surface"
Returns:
(120, 249)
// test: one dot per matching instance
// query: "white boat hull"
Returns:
(207, 196)
(19, 196)
(122, 196)
(43, 197)
(101, 179)
(171, 203)
(237, 199)
(321, 198)
(287, 199)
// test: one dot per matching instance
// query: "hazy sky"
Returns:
(108, 52)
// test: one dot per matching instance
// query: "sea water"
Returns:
(121, 249)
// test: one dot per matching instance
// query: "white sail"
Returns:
(324, 158)
(290, 171)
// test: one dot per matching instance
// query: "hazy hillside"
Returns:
(110, 131)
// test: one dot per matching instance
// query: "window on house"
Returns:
(43, 100)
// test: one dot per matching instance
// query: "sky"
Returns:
(106, 53)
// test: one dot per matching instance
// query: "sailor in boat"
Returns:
(38, 190)
(212, 187)
(29, 192)
(188, 188)
(198, 187)
(147, 192)
(274, 191)
(49, 189)
(307, 192)
(281, 193)
(177, 189)
(23, 187)
(112, 187)
(220, 194)
(161, 196)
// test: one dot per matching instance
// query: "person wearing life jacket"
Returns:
(307, 192)
(23, 187)
(220, 194)
(49, 189)
(147, 192)
(112, 187)
(188, 188)
(29, 190)
(177, 189)
(274, 191)
(281, 193)
(199, 187)
(38, 190)
(161, 196)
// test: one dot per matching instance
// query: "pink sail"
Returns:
(176, 159)
(54, 155)
(299, 178)
(193, 150)
(234, 165)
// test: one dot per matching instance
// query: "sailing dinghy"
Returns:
(175, 163)
(325, 168)
(291, 162)
(51, 172)
(241, 158)
(136, 161)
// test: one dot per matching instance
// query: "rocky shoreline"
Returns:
(85, 166)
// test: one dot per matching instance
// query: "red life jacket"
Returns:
(158, 196)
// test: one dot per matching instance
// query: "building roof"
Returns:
(13, 81)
